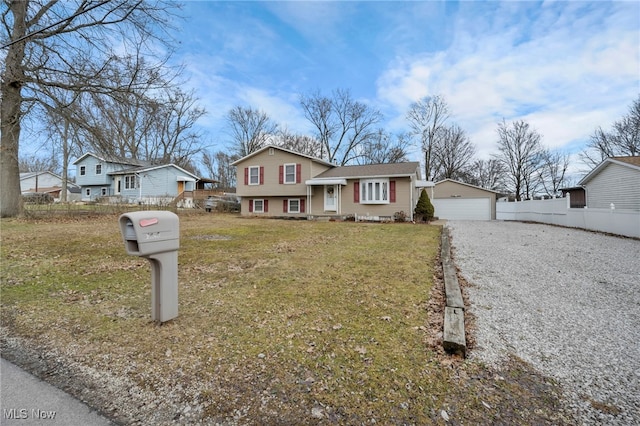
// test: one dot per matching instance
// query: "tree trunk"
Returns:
(10, 116)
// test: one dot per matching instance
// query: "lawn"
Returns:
(280, 322)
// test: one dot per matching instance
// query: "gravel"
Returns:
(566, 301)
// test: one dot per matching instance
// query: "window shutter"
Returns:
(281, 174)
(261, 175)
(298, 173)
(356, 191)
(246, 176)
(302, 205)
(285, 206)
(266, 205)
(250, 205)
(392, 191)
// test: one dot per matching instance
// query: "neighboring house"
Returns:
(455, 200)
(274, 181)
(614, 181)
(132, 181)
(46, 182)
(577, 196)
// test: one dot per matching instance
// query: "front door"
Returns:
(118, 185)
(330, 198)
(180, 187)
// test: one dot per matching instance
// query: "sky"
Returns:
(566, 67)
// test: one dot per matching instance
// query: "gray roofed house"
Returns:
(274, 181)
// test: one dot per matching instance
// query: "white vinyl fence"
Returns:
(558, 212)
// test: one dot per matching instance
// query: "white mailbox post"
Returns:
(155, 235)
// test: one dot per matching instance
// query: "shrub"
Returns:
(400, 216)
(424, 209)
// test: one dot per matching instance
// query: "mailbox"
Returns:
(150, 232)
(155, 235)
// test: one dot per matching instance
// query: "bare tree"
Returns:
(452, 153)
(299, 143)
(426, 117)
(342, 124)
(383, 147)
(70, 46)
(487, 174)
(250, 129)
(553, 171)
(622, 140)
(218, 165)
(520, 153)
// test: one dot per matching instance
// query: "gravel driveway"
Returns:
(567, 301)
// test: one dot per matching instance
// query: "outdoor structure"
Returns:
(455, 200)
(133, 181)
(612, 201)
(46, 182)
(614, 181)
(577, 195)
(274, 181)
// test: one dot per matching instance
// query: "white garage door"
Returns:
(462, 208)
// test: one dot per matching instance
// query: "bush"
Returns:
(400, 216)
(424, 209)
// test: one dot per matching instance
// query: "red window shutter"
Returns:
(281, 174)
(298, 173)
(246, 176)
(392, 191)
(250, 206)
(261, 175)
(302, 205)
(266, 205)
(356, 191)
(285, 206)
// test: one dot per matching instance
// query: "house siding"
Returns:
(348, 206)
(450, 189)
(271, 179)
(615, 184)
(91, 178)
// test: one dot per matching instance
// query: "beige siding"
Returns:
(272, 185)
(349, 207)
(615, 184)
(448, 189)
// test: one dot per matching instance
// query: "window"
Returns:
(289, 173)
(293, 205)
(103, 192)
(130, 182)
(258, 206)
(377, 191)
(83, 170)
(254, 175)
(98, 169)
(87, 192)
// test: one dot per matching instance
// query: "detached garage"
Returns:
(455, 200)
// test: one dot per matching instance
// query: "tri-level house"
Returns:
(274, 181)
(133, 181)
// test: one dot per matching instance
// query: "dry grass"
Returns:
(281, 322)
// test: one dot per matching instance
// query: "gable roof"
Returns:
(27, 175)
(466, 184)
(631, 162)
(151, 168)
(372, 171)
(317, 160)
(113, 159)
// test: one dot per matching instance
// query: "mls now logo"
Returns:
(14, 413)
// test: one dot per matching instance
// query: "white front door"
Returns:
(330, 198)
(118, 185)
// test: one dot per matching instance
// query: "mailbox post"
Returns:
(155, 235)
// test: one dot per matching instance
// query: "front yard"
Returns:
(280, 322)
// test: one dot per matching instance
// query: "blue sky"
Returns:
(565, 67)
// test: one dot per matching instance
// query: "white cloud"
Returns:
(571, 70)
